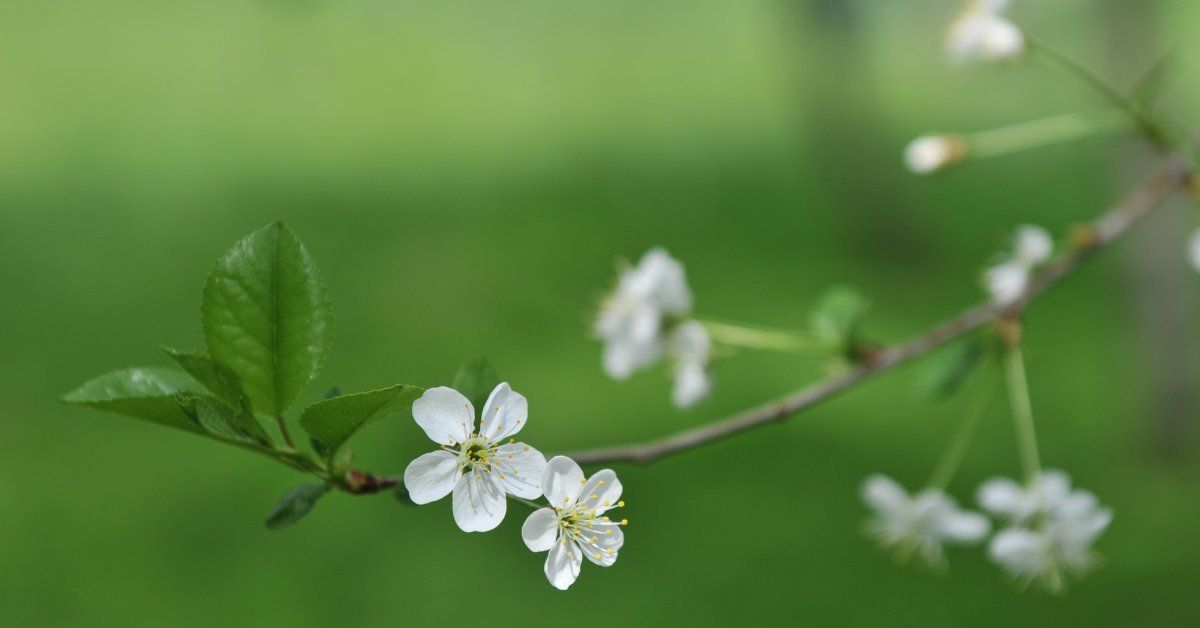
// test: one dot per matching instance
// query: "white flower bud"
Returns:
(930, 153)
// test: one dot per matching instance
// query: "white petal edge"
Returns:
(601, 492)
(522, 468)
(445, 414)
(562, 564)
(882, 494)
(540, 530)
(479, 503)
(431, 477)
(504, 414)
(562, 482)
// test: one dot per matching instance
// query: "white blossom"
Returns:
(919, 524)
(981, 32)
(1052, 528)
(633, 318)
(690, 348)
(1194, 250)
(574, 525)
(478, 467)
(930, 153)
(1008, 280)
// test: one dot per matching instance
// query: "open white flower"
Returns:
(919, 524)
(981, 32)
(633, 318)
(690, 347)
(1008, 280)
(574, 525)
(1052, 528)
(478, 467)
(930, 153)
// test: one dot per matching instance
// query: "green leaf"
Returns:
(217, 378)
(475, 380)
(838, 317)
(297, 503)
(221, 421)
(267, 317)
(333, 421)
(949, 369)
(144, 393)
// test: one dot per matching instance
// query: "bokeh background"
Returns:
(466, 174)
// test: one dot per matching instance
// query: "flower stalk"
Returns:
(1022, 410)
(978, 400)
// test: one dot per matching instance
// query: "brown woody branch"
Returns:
(1170, 176)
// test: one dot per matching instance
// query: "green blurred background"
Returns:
(465, 174)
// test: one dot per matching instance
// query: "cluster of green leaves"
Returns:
(268, 325)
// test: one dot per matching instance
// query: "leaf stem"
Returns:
(977, 403)
(1043, 132)
(532, 504)
(283, 430)
(1022, 410)
(763, 339)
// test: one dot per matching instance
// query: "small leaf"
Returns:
(144, 393)
(218, 379)
(838, 317)
(267, 317)
(341, 462)
(334, 421)
(221, 421)
(297, 503)
(949, 368)
(475, 380)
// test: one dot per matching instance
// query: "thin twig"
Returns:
(1170, 176)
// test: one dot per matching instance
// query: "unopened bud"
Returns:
(930, 153)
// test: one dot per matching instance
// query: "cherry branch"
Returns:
(1171, 175)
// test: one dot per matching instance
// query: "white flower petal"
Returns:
(540, 529)
(964, 527)
(601, 492)
(521, 468)
(1052, 489)
(601, 543)
(660, 279)
(445, 414)
(692, 385)
(1000, 39)
(930, 153)
(1034, 245)
(431, 477)
(479, 502)
(1006, 282)
(1002, 497)
(562, 482)
(1021, 551)
(883, 494)
(563, 563)
(504, 414)
(623, 357)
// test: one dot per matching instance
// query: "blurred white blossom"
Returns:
(1052, 528)
(478, 467)
(633, 319)
(982, 32)
(574, 526)
(690, 349)
(1194, 250)
(1008, 280)
(930, 153)
(919, 524)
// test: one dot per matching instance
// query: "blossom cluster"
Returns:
(1047, 528)
(480, 466)
(648, 316)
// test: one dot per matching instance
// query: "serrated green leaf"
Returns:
(144, 393)
(267, 317)
(216, 378)
(294, 505)
(838, 317)
(475, 380)
(334, 421)
(949, 368)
